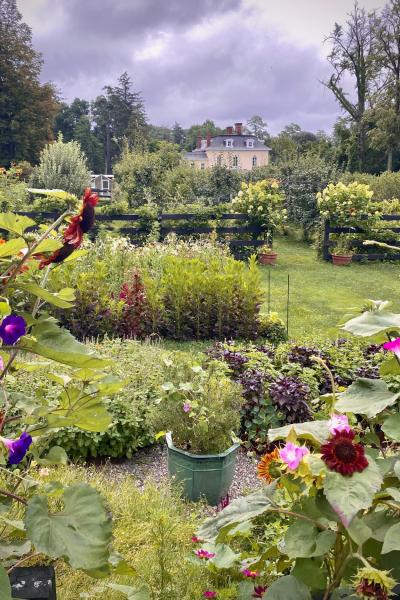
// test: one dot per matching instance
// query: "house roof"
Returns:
(196, 155)
(238, 141)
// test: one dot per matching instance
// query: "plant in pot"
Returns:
(199, 413)
(266, 255)
(342, 253)
(334, 486)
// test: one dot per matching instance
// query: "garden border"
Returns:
(327, 243)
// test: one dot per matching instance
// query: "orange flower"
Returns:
(2, 241)
(265, 463)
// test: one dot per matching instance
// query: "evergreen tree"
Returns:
(27, 108)
(178, 135)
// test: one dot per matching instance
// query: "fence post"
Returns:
(325, 249)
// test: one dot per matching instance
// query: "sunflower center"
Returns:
(345, 451)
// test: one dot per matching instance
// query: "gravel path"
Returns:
(151, 463)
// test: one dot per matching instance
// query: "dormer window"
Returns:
(250, 143)
(229, 143)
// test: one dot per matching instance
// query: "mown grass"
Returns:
(321, 294)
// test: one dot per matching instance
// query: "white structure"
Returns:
(102, 184)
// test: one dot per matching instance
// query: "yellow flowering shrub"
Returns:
(347, 204)
(262, 201)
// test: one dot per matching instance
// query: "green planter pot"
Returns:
(206, 476)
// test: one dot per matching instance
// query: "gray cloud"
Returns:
(192, 60)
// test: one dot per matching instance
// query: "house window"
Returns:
(235, 162)
(229, 143)
(254, 161)
(219, 160)
(202, 166)
(250, 143)
(106, 184)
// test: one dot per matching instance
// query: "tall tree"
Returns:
(178, 135)
(27, 108)
(258, 127)
(386, 115)
(353, 56)
(120, 119)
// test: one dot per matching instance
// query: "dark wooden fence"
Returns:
(254, 234)
(328, 243)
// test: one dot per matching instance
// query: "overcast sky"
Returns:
(193, 60)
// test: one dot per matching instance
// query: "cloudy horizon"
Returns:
(196, 59)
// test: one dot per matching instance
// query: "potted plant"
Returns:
(266, 255)
(342, 253)
(199, 410)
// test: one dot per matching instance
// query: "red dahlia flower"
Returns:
(259, 591)
(73, 234)
(342, 455)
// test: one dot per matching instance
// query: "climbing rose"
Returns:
(17, 448)
(393, 346)
(339, 423)
(11, 329)
(204, 554)
(292, 455)
(342, 455)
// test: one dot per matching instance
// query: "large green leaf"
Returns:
(5, 587)
(311, 572)
(81, 532)
(55, 456)
(14, 549)
(390, 366)
(239, 510)
(54, 342)
(305, 540)
(392, 539)
(131, 593)
(316, 431)
(225, 558)
(347, 495)
(288, 588)
(12, 247)
(372, 322)
(15, 223)
(391, 427)
(366, 397)
(82, 410)
(59, 299)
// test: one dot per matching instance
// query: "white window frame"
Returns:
(229, 143)
(105, 185)
(250, 143)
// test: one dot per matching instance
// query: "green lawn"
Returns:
(320, 294)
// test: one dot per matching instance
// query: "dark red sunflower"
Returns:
(342, 455)
(371, 589)
(73, 234)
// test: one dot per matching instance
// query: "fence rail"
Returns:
(328, 243)
(255, 233)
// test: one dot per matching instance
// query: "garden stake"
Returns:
(269, 291)
(287, 305)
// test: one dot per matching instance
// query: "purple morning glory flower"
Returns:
(17, 448)
(11, 329)
(187, 407)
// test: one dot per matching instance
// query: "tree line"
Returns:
(365, 80)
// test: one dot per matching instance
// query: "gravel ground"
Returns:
(151, 463)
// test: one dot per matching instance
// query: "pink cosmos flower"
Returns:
(209, 594)
(292, 455)
(251, 574)
(204, 554)
(187, 407)
(339, 423)
(393, 346)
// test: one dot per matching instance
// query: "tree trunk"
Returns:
(390, 160)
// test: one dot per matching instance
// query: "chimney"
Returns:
(199, 138)
(238, 128)
(229, 130)
(208, 138)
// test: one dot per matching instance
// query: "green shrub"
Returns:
(62, 166)
(178, 290)
(56, 201)
(13, 192)
(385, 186)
